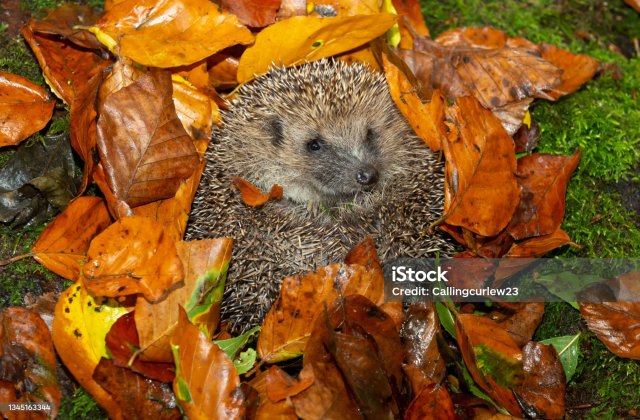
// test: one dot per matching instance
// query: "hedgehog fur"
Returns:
(328, 133)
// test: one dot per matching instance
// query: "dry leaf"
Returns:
(307, 38)
(206, 263)
(539, 245)
(206, 384)
(25, 108)
(433, 402)
(63, 245)
(133, 255)
(267, 410)
(145, 151)
(577, 69)
(255, 13)
(252, 195)
(169, 33)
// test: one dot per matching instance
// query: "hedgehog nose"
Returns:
(367, 176)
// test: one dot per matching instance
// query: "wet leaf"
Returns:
(67, 67)
(252, 195)
(135, 396)
(420, 332)
(433, 402)
(206, 384)
(205, 264)
(568, 349)
(80, 325)
(577, 69)
(169, 33)
(255, 13)
(617, 324)
(543, 179)
(267, 410)
(133, 255)
(37, 181)
(122, 342)
(481, 191)
(526, 138)
(542, 393)
(64, 22)
(308, 38)
(492, 357)
(25, 108)
(522, 322)
(279, 385)
(63, 245)
(144, 149)
(231, 346)
(539, 245)
(25, 340)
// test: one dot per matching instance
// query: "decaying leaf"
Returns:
(481, 191)
(25, 108)
(206, 384)
(133, 255)
(63, 245)
(27, 357)
(135, 396)
(205, 263)
(267, 409)
(432, 402)
(80, 325)
(255, 13)
(308, 38)
(145, 151)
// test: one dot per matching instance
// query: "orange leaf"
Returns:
(539, 245)
(426, 119)
(347, 7)
(145, 151)
(25, 108)
(254, 13)
(206, 383)
(195, 110)
(432, 402)
(307, 38)
(279, 385)
(133, 255)
(543, 179)
(481, 191)
(252, 195)
(169, 33)
(267, 410)
(63, 22)
(205, 263)
(577, 69)
(63, 245)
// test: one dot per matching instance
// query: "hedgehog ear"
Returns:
(275, 129)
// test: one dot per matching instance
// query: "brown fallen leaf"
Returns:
(145, 151)
(279, 385)
(64, 22)
(539, 245)
(543, 179)
(432, 402)
(267, 410)
(577, 69)
(133, 255)
(205, 263)
(254, 13)
(117, 208)
(526, 138)
(411, 21)
(27, 357)
(169, 33)
(63, 245)
(308, 38)
(223, 71)
(252, 195)
(542, 393)
(420, 332)
(617, 324)
(634, 3)
(481, 191)
(206, 384)
(135, 395)
(68, 68)
(196, 111)
(492, 357)
(122, 342)
(25, 108)
(521, 322)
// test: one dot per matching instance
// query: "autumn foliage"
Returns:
(144, 82)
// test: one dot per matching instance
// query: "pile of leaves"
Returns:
(140, 329)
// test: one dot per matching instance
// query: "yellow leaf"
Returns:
(307, 38)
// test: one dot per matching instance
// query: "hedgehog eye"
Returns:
(314, 145)
(371, 136)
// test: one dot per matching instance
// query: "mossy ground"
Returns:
(601, 119)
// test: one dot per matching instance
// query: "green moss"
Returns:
(80, 405)
(17, 58)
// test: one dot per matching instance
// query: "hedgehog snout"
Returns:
(367, 175)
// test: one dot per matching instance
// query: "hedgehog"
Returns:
(349, 164)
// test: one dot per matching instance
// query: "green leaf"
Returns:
(244, 363)
(232, 346)
(506, 372)
(475, 390)
(568, 348)
(208, 292)
(565, 285)
(446, 318)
